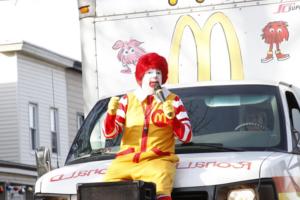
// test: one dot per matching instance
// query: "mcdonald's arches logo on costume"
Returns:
(202, 39)
(159, 119)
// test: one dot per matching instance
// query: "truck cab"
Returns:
(245, 144)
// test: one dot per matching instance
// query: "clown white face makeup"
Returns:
(151, 77)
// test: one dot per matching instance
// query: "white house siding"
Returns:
(35, 85)
(8, 68)
(21, 179)
(75, 100)
(8, 123)
(8, 108)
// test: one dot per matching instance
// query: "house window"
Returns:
(80, 118)
(54, 129)
(33, 125)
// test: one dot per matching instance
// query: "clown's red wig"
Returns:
(151, 61)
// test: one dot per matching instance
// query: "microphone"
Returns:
(159, 93)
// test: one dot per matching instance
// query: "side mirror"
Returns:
(43, 160)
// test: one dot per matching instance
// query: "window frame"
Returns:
(79, 119)
(33, 125)
(54, 130)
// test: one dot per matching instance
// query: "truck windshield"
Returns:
(244, 117)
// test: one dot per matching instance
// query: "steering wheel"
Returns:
(253, 124)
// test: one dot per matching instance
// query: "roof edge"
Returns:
(40, 53)
(17, 165)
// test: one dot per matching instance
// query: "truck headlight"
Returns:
(247, 190)
(241, 194)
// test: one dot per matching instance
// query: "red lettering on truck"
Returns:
(77, 174)
(236, 165)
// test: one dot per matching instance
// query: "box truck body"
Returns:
(222, 56)
(213, 40)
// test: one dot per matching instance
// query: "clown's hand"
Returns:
(168, 109)
(113, 105)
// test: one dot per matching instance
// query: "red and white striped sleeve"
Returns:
(181, 123)
(113, 124)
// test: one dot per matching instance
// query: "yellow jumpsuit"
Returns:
(147, 147)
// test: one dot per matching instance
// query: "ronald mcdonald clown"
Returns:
(149, 127)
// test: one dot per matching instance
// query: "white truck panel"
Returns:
(193, 170)
(153, 24)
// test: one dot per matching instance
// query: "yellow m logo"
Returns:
(159, 118)
(202, 40)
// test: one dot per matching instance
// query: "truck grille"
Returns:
(194, 193)
(201, 195)
(138, 190)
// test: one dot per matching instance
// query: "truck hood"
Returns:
(199, 169)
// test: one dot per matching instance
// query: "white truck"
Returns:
(222, 55)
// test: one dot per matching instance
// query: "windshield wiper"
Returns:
(100, 151)
(206, 146)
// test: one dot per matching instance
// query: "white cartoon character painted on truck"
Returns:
(129, 53)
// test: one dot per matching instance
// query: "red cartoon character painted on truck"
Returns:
(274, 33)
(129, 53)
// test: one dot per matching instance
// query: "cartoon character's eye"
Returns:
(279, 30)
(125, 52)
(131, 50)
(271, 30)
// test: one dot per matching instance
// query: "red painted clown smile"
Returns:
(153, 83)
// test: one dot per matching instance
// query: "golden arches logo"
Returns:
(159, 118)
(202, 40)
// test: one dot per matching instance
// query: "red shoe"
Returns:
(164, 197)
(281, 56)
(268, 58)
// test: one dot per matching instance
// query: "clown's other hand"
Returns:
(168, 109)
(113, 105)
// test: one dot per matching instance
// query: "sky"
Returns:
(51, 24)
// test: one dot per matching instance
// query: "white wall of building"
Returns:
(43, 84)
(75, 100)
(8, 68)
(9, 139)
(33, 75)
